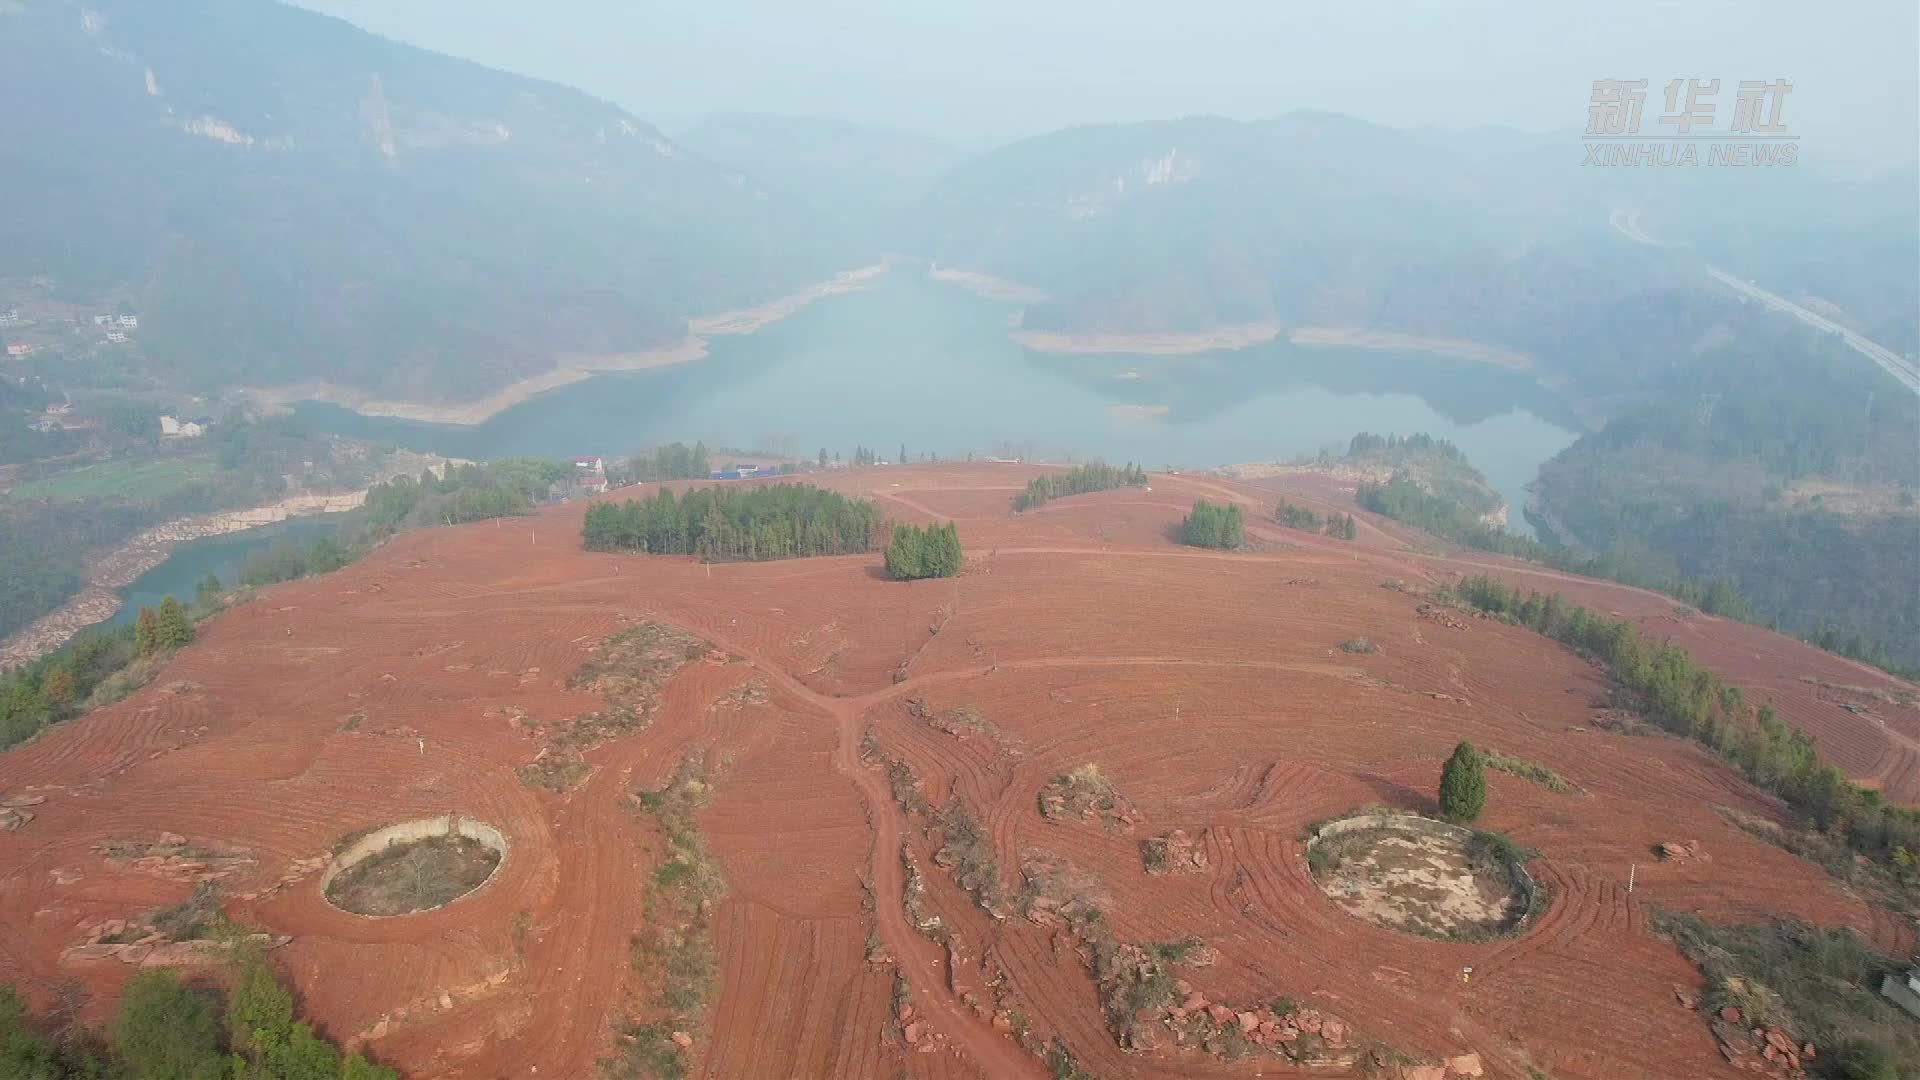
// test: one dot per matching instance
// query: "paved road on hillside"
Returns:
(1628, 224)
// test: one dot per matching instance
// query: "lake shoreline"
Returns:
(1246, 335)
(473, 413)
(123, 564)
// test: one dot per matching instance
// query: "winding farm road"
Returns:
(1906, 371)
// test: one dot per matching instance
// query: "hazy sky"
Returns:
(993, 68)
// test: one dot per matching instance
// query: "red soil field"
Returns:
(1209, 688)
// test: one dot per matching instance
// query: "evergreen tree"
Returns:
(902, 459)
(823, 457)
(165, 1031)
(779, 521)
(930, 552)
(58, 689)
(1093, 476)
(173, 628)
(146, 632)
(1213, 526)
(1463, 785)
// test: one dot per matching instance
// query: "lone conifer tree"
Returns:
(146, 632)
(174, 628)
(1463, 785)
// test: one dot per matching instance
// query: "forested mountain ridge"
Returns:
(1773, 458)
(1306, 218)
(1490, 235)
(280, 196)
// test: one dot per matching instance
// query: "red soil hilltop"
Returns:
(1209, 688)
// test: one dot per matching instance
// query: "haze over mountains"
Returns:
(283, 197)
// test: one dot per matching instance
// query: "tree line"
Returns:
(1093, 476)
(1670, 689)
(1367, 443)
(1402, 499)
(166, 1028)
(674, 461)
(736, 524)
(1295, 516)
(1214, 526)
(930, 552)
(463, 494)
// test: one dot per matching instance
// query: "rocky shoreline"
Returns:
(123, 565)
(469, 413)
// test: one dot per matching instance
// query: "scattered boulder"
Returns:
(1466, 1065)
(682, 1040)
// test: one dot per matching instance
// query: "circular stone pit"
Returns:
(1421, 876)
(414, 866)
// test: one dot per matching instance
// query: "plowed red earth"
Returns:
(1208, 687)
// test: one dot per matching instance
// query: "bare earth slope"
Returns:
(1208, 688)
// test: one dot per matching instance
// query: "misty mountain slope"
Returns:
(281, 196)
(1195, 222)
(859, 175)
(1318, 219)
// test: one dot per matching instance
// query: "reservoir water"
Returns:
(221, 556)
(919, 363)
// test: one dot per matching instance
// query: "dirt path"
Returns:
(921, 961)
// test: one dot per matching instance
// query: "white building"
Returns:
(102, 320)
(117, 337)
(10, 317)
(131, 322)
(19, 348)
(173, 427)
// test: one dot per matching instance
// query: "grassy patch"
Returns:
(1894, 884)
(560, 772)
(197, 918)
(967, 852)
(676, 951)
(144, 481)
(630, 670)
(646, 1052)
(1531, 771)
(1817, 984)
(1062, 1065)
